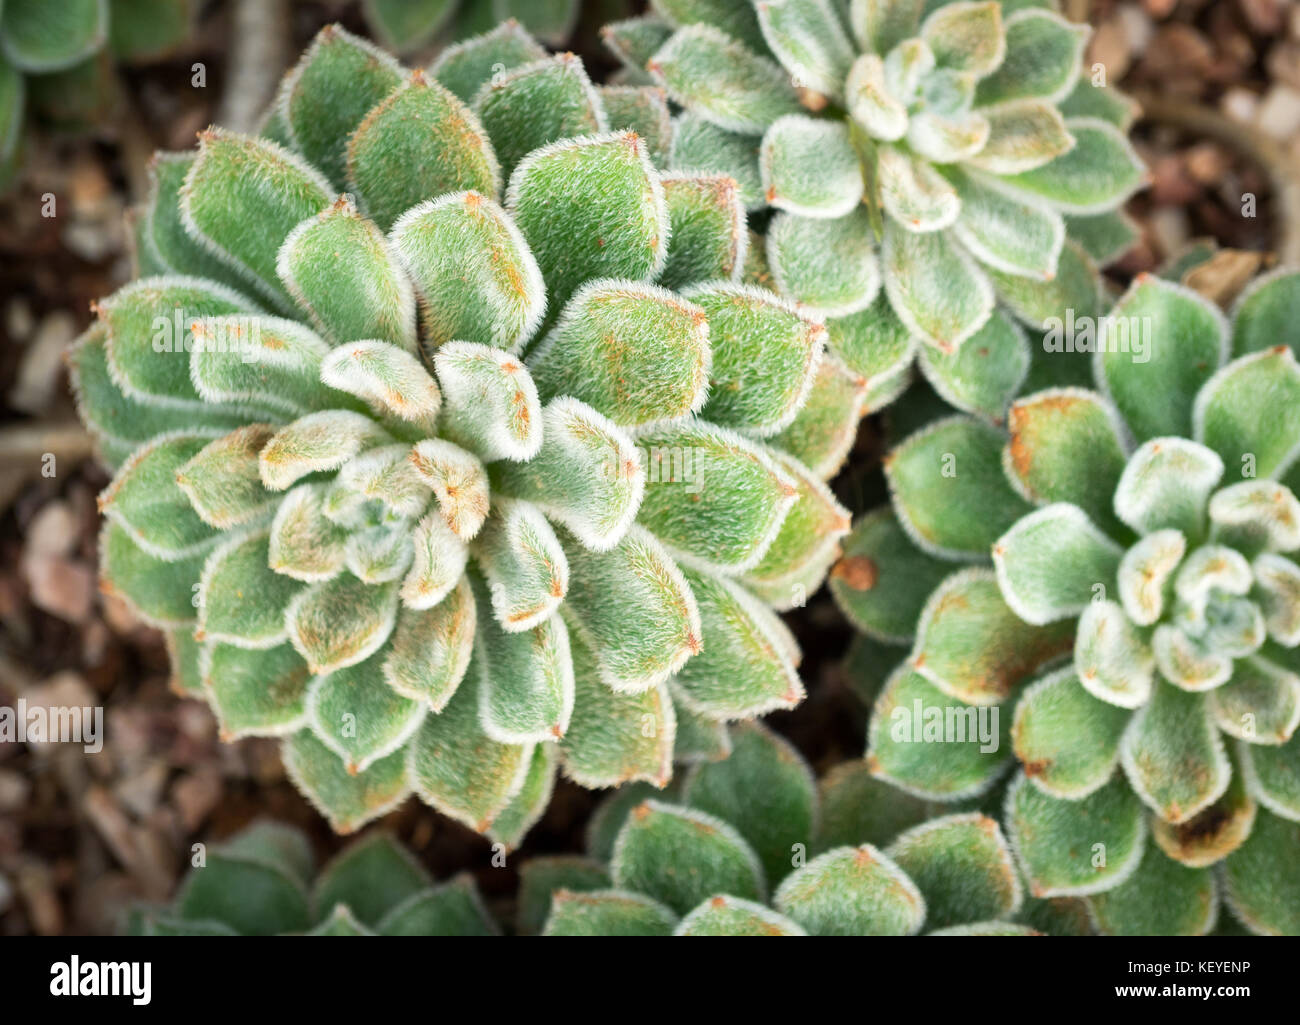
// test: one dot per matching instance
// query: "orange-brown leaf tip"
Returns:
(641, 812)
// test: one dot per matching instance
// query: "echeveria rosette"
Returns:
(263, 882)
(752, 846)
(1146, 532)
(924, 162)
(543, 523)
(54, 55)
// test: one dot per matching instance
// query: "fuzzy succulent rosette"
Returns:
(436, 478)
(263, 882)
(754, 846)
(1147, 534)
(941, 173)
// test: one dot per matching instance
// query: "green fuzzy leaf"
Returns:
(256, 693)
(713, 494)
(1075, 848)
(852, 892)
(765, 356)
(358, 716)
(162, 592)
(701, 146)
(1272, 775)
(369, 878)
(698, 738)
(525, 566)
(242, 197)
(147, 501)
(538, 104)
(1104, 237)
(253, 895)
(222, 480)
(744, 667)
(345, 275)
(39, 37)
(552, 21)
(459, 770)
(633, 608)
(1250, 410)
(766, 791)
(826, 265)
(966, 36)
(737, 20)
(972, 646)
(643, 110)
(420, 142)
(340, 922)
(439, 558)
(1173, 755)
(607, 913)
(305, 544)
(934, 287)
(243, 599)
(1184, 339)
(1166, 484)
(490, 291)
(540, 878)
(1050, 564)
(183, 653)
(390, 380)
(1277, 588)
(408, 24)
(824, 430)
(984, 374)
(808, 38)
(882, 581)
(908, 716)
(871, 101)
(463, 67)
(347, 800)
(1099, 173)
(1264, 312)
(1005, 232)
(1066, 740)
(1042, 59)
(261, 361)
(341, 621)
(880, 25)
(1089, 100)
(636, 353)
(317, 442)
(149, 326)
(633, 41)
(591, 208)
(616, 737)
(431, 648)
(810, 167)
(963, 868)
(453, 909)
(328, 94)
(1039, 304)
(730, 916)
(1028, 141)
(681, 856)
(1067, 446)
(723, 80)
(525, 674)
(114, 416)
(1260, 704)
(858, 808)
(709, 237)
(949, 490)
(1255, 515)
(1112, 657)
(1262, 887)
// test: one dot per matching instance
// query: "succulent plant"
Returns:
(1146, 533)
(49, 49)
(924, 162)
(544, 522)
(408, 25)
(262, 882)
(752, 846)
